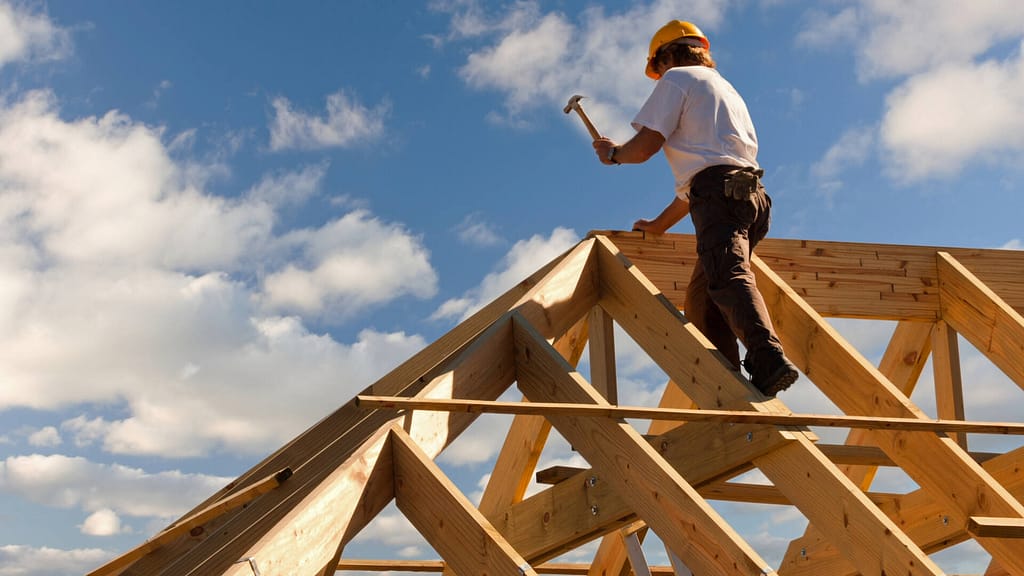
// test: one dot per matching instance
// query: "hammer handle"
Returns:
(590, 125)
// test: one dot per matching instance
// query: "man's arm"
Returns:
(638, 149)
(668, 218)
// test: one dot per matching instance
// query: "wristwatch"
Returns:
(611, 154)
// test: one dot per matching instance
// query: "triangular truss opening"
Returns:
(377, 449)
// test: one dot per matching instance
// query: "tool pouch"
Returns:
(741, 184)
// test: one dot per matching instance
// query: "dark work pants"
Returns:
(722, 299)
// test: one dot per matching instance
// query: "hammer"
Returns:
(574, 104)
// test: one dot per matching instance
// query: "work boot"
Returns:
(773, 374)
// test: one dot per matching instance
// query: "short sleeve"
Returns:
(663, 109)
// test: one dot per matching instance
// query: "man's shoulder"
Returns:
(683, 75)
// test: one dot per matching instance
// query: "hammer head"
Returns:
(573, 102)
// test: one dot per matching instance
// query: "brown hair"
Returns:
(685, 55)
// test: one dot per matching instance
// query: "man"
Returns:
(702, 124)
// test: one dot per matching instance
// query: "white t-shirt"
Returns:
(704, 121)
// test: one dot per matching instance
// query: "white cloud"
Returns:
(234, 397)
(824, 29)
(540, 59)
(479, 445)
(390, 528)
(73, 482)
(45, 437)
(523, 259)
(522, 63)
(118, 198)
(1015, 244)
(289, 187)
(348, 264)
(158, 93)
(28, 561)
(904, 38)
(939, 120)
(474, 231)
(128, 287)
(103, 522)
(959, 86)
(852, 149)
(348, 122)
(25, 36)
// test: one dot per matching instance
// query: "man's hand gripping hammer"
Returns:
(574, 104)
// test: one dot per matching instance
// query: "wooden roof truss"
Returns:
(295, 512)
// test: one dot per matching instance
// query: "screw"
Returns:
(750, 436)
(594, 509)
(803, 552)
(945, 520)
(592, 481)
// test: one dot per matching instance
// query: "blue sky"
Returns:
(220, 220)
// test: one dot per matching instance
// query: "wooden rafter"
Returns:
(525, 440)
(902, 363)
(981, 316)
(920, 516)
(447, 519)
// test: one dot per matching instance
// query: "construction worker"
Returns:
(702, 124)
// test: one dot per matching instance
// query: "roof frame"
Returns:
(345, 467)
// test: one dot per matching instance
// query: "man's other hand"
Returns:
(642, 225)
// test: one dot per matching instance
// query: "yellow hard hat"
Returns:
(674, 30)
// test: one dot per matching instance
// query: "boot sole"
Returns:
(780, 380)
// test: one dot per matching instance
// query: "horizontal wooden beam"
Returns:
(438, 566)
(687, 415)
(843, 454)
(766, 494)
(986, 527)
